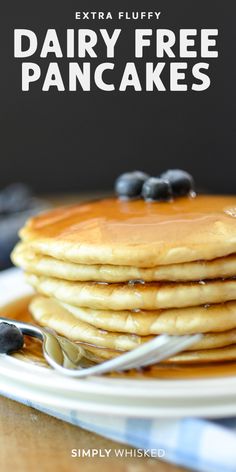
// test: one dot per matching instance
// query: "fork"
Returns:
(73, 360)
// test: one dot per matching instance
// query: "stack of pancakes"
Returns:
(113, 274)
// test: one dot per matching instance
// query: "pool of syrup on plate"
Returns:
(32, 353)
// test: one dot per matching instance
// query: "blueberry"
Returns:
(130, 185)
(156, 189)
(11, 338)
(181, 181)
(14, 198)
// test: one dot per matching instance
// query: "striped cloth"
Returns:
(201, 445)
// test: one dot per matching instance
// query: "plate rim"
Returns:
(118, 386)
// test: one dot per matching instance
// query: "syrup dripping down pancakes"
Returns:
(115, 273)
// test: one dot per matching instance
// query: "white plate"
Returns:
(213, 397)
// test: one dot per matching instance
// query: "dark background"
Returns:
(80, 141)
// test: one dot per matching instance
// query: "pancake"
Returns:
(155, 295)
(223, 354)
(175, 321)
(136, 233)
(114, 274)
(49, 313)
(206, 356)
(39, 264)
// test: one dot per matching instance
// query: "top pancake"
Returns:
(136, 233)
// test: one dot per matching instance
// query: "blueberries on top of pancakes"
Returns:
(181, 182)
(130, 184)
(170, 184)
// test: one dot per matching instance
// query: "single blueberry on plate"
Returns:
(129, 185)
(181, 181)
(156, 189)
(11, 338)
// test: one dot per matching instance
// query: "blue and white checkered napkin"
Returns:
(201, 445)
